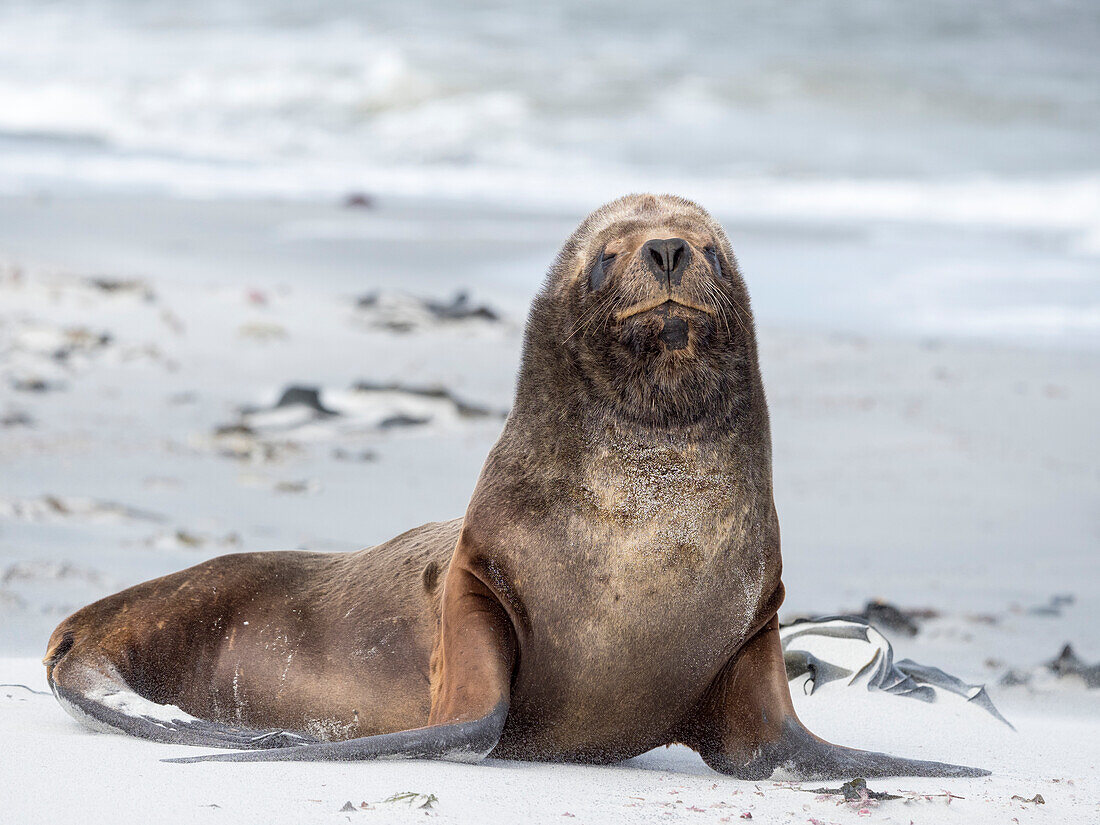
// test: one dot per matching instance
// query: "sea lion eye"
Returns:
(599, 270)
(712, 256)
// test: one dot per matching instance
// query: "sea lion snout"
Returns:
(664, 271)
(667, 258)
(647, 302)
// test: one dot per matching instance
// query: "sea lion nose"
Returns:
(667, 258)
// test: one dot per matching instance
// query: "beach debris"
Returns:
(35, 384)
(849, 648)
(1037, 799)
(308, 414)
(358, 200)
(1015, 678)
(906, 621)
(1054, 605)
(308, 485)
(309, 397)
(342, 454)
(414, 799)
(11, 274)
(60, 343)
(59, 284)
(182, 539)
(459, 308)
(56, 286)
(173, 321)
(122, 286)
(53, 571)
(463, 409)
(56, 508)
(889, 617)
(1066, 665)
(9, 688)
(397, 312)
(12, 601)
(855, 791)
(401, 420)
(252, 436)
(263, 331)
(297, 406)
(16, 418)
(42, 357)
(920, 796)
(856, 795)
(348, 807)
(241, 442)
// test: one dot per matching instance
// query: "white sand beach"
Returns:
(954, 476)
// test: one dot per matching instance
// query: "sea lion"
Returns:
(612, 587)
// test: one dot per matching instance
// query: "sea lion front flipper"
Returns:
(747, 727)
(471, 680)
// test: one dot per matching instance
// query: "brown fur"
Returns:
(629, 497)
(613, 585)
(276, 640)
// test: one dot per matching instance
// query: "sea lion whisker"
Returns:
(740, 320)
(730, 302)
(725, 316)
(604, 307)
(580, 323)
(589, 317)
(719, 298)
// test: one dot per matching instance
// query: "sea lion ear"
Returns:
(598, 274)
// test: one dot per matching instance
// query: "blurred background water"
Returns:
(976, 125)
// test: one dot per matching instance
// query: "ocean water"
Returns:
(982, 116)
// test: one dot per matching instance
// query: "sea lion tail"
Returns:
(96, 695)
(467, 741)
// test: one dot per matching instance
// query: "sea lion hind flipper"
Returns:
(95, 694)
(805, 756)
(460, 742)
(747, 727)
(471, 683)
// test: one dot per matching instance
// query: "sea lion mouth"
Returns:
(655, 303)
(674, 334)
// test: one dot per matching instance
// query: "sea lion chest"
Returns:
(664, 510)
(644, 578)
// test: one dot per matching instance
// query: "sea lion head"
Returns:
(646, 303)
